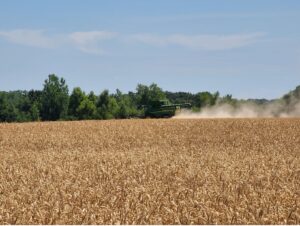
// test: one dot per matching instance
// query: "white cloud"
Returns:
(200, 42)
(88, 42)
(91, 36)
(93, 42)
(149, 39)
(35, 38)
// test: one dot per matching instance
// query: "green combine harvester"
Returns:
(163, 109)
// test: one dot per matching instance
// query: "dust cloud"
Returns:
(245, 110)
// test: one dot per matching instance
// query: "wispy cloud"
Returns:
(35, 38)
(200, 42)
(91, 36)
(95, 42)
(89, 41)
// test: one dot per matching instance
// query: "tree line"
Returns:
(54, 102)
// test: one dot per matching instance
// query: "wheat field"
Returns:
(168, 171)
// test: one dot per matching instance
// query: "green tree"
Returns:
(228, 99)
(180, 97)
(3, 107)
(82, 106)
(35, 97)
(204, 99)
(86, 109)
(92, 97)
(146, 95)
(8, 112)
(291, 100)
(34, 112)
(55, 99)
(126, 105)
(76, 98)
(107, 106)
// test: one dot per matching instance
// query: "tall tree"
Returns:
(107, 106)
(55, 98)
(204, 99)
(3, 107)
(126, 105)
(92, 97)
(35, 97)
(146, 95)
(86, 109)
(76, 98)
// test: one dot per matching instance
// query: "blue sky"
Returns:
(250, 49)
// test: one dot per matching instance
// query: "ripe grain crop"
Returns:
(239, 171)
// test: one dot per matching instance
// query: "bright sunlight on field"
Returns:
(198, 171)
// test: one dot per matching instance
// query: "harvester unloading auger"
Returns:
(163, 109)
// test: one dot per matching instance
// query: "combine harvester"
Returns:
(163, 109)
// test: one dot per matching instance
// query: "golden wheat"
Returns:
(221, 171)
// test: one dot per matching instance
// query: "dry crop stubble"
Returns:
(151, 172)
